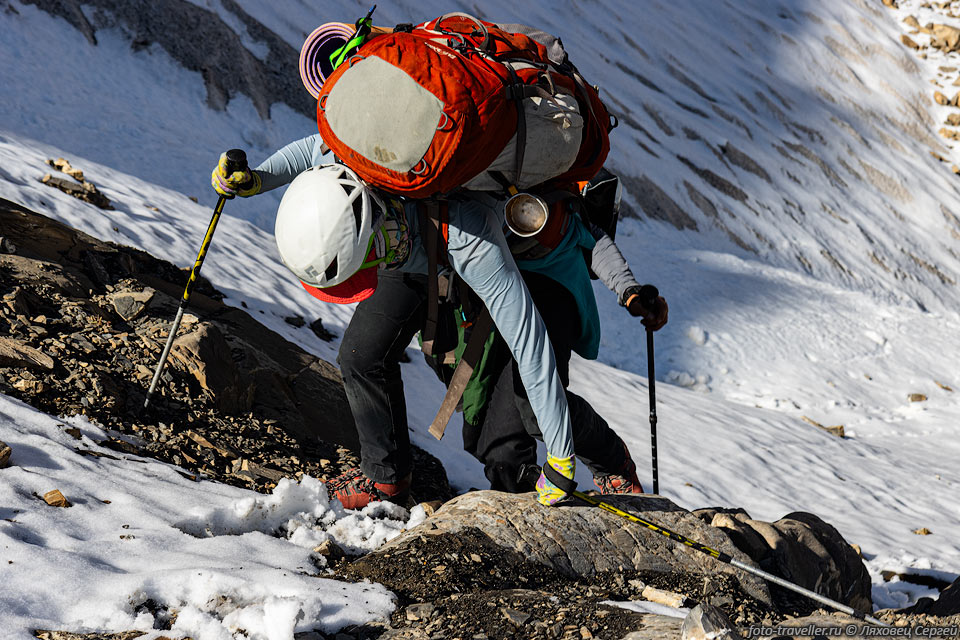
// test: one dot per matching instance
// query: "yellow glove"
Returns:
(238, 183)
(549, 493)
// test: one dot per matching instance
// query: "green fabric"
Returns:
(479, 388)
(566, 265)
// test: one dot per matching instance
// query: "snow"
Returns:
(829, 292)
(141, 540)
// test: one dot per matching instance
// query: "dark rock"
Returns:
(802, 548)
(85, 191)
(200, 40)
(742, 160)
(296, 321)
(5, 452)
(16, 354)
(706, 622)
(421, 611)
(331, 551)
(516, 618)
(655, 627)
(207, 356)
(655, 202)
(130, 304)
(22, 302)
(948, 604)
(722, 185)
(320, 331)
(583, 541)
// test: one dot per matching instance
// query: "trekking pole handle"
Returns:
(236, 160)
(648, 295)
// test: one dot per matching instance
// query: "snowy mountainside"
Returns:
(800, 132)
(777, 159)
(712, 452)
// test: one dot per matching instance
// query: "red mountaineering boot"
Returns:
(355, 490)
(624, 482)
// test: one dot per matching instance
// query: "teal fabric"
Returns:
(566, 265)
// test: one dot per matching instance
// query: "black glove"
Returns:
(647, 303)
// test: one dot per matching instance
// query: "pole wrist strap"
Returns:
(559, 480)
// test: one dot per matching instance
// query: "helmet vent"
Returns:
(358, 213)
(331, 271)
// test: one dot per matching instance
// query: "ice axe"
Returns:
(530, 473)
(236, 161)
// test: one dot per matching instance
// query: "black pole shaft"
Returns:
(651, 383)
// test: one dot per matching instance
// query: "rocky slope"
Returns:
(82, 325)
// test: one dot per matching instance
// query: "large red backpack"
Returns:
(458, 102)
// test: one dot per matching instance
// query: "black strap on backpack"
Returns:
(433, 215)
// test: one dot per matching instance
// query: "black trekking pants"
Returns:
(503, 438)
(381, 328)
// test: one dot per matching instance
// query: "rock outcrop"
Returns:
(581, 541)
(801, 548)
(84, 322)
(501, 545)
(948, 604)
(201, 41)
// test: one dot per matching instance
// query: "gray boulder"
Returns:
(578, 540)
(706, 622)
(802, 548)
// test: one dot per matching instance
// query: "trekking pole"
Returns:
(651, 382)
(648, 295)
(532, 472)
(363, 30)
(236, 161)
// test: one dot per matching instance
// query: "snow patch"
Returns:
(698, 382)
(697, 335)
(121, 563)
(303, 514)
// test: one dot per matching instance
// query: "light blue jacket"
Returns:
(479, 254)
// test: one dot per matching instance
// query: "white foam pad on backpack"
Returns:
(381, 113)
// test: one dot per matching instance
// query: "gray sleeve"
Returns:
(610, 265)
(287, 163)
(480, 256)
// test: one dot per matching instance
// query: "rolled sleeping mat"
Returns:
(315, 54)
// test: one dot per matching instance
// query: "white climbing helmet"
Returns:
(326, 225)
